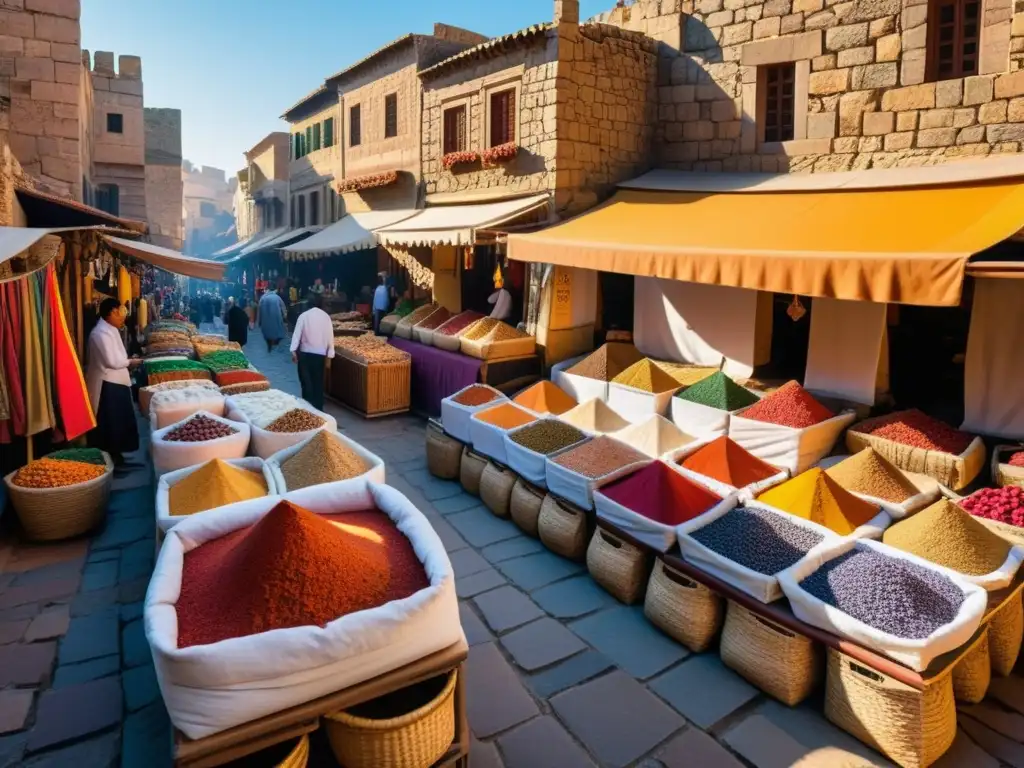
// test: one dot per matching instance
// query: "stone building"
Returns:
(164, 185)
(209, 224)
(261, 198)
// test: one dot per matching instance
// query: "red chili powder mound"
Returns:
(917, 429)
(789, 406)
(661, 494)
(476, 395)
(728, 462)
(293, 568)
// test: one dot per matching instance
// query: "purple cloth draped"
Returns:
(436, 374)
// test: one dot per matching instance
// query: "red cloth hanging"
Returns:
(69, 384)
(10, 349)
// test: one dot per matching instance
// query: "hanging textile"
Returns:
(10, 351)
(43, 309)
(72, 397)
(844, 350)
(124, 287)
(36, 383)
(143, 314)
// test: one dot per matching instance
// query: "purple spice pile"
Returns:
(758, 539)
(889, 594)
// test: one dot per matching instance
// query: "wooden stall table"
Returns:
(370, 390)
(249, 738)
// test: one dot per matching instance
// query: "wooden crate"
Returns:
(378, 389)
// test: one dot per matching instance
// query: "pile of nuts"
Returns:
(369, 349)
(199, 429)
(296, 420)
(758, 539)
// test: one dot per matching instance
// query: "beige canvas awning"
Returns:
(168, 260)
(353, 232)
(458, 224)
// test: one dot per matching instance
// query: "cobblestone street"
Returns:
(560, 675)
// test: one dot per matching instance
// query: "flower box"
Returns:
(502, 153)
(453, 159)
(369, 181)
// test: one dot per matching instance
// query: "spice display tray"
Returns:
(499, 350)
(455, 417)
(954, 472)
(374, 390)
(1003, 473)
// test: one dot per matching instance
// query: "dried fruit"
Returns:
(56, 473)
(1005, 505)
(199, 428)
(1016, 459)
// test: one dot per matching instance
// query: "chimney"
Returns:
(567, 12)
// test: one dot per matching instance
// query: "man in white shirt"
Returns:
(312, 344)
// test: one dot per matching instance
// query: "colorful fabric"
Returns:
(10, 350)
(36, 385)
(76, 412)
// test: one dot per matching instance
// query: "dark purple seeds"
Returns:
(758, 539)
(887, 593)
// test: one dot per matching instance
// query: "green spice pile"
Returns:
(718, 391)
(226, 360)
(870, 473)
(85, 455)
(324, 459)
(547, 436)
(166, 366)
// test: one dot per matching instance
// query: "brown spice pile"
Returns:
(324, 459)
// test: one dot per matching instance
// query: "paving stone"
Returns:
(12, 748)
(476, 631)
(99, 576)
(616, 718)
(123, 531)
(418, 477)
(138, 502)
(480, 528)
(66, 570)
(484, 755)
(99, 751)
(90, 637)
(99, 601)
(20, 613)
(478, 583)
(12, 631)
(70, 713)
(466, 562)
(573, 598)
(630, 641)
(104, 555)
(722, 690)
(693, 747)
(1010, 724)
(1006, 750)
(75, 674)
(450, 538)
(534, 571)
(47, 591)
(457, 503)
(140, 687)
(28, 557)
(146, 739)
(541, 643)
(496, 699)
(134, 648)
(572, 671)
(436, 490)
(133, 591)
(506, 607)
(51, 623)
(517, 547)
(542, 743)
(136, 569)
(26, 664)
(132, 611)
(14, 708)
(965, 752)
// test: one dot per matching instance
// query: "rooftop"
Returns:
(493, 47)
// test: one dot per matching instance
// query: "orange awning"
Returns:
(906, 245)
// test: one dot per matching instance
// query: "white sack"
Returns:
(527, 463)
(170, 455)
(374, 463)
(844, 349)
(455, 416)
(210, 688)
(674, 458)
(489, 439)
(916, 654)
(700, 420)
(786, 447)
(260, 408)
(580, 388)
(636, 405)
(265, 443)
(579, 489)
(170, 408)
(165, 520)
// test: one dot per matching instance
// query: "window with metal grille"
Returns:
(455, 139)
(503, 117)
(779, 80)
(390, 115)
(329, 132)
(355, 133)
(954, 29)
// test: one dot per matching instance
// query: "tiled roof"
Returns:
(492, 47)
(322, 89)
(383, 49)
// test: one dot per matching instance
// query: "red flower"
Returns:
(369, 181)
(459, 158)
(500, 154)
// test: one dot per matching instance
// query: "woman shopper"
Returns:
(312, 345)
(109, 385)
(237, 321)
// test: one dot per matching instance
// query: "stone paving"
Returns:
(559, 674)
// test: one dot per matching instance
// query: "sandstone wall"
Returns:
(164, 184)
(118, 92)
(322, 166)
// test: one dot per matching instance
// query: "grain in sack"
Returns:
(871, 476)
(323, 458)
(642, 390)
(197, 439)
(215, 483)
(576, 473)
(173, 405)
(814, 496)
(527, 447)
(457, 409)
(488, 427)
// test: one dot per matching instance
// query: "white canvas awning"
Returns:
(232, 249)
(166, 259)
(15, 240)
(457, 224)
(259, 242)
(289, 237)
(354, 232)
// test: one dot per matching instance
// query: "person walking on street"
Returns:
(237, 321)
(381, 302)
(312, 344)
(270, 315)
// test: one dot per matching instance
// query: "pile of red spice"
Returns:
(293, 568)
(476, 395)
(728, 462)
(1016, 459)
(789, 406)
(918, 430)
(661, 494)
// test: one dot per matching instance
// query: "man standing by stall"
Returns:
(109, 383)
(381, 302)
(312, 344)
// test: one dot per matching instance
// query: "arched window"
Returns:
(954, 38)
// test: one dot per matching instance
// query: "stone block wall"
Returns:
(163, 180)
(319, 169)
(118, 92)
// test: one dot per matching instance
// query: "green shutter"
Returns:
(329, 132)
(309, 139)
(316, 137)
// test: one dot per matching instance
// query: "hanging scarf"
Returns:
(72, 396)
(10, 351)
(43, 310)
(36, 384)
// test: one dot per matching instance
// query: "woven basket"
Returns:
(618, 566)
(417, 739)
(973, 672)
(298, 757)
(51, 514)
(911, 727)
(781, 663)
(1005, 633)
(373, 390)
(1002, 473)
(1012, 533)
(682, 608)
(525, 506)
(954, 472)
(470, 469)
(444, 453)
(496, 485)
(562, 528)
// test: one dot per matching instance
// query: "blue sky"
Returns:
(233, 66)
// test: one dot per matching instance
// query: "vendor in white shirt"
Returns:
(501, 299)
(312, 345)
(110, 385)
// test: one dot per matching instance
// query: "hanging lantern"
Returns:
(499, 280)
(467, 259)
(796, 310)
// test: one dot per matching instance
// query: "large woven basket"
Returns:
(51, 514)
(682, 608)
(496, 485)
(444, 453)
(973, 672)
(296, 757)
(525, 505)
(781, 663)
(911, 727)
(1005, 633)
(954, 472)
(1012, 533)
(563, 528)
(1003, 473)
(470, 470)
(417, 739)
(617, 565)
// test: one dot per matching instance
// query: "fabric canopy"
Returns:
(259, 242)
(166, 259)
(15, 240)
(353, 232)
(907, 245)
(457, 224)
(232, 249)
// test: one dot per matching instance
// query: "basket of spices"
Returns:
(353, 583)
(788, 428)
(873, 477)
(1000, 509)
(1008, 465)
(146, 393)
(423, 331)
(575, 473)
(544, 397)
(642, 390)
(448, 335)
(655, 436)
(172, 406)
(524, 506)
(215, 483)
(527, 447)
(322, 458)
(814, 496)
(916, 442)
(705, 408)
(594, 417)
(457, 409)
(197, 439)
(403, 329)
(589, 378)
(61, 495)
(682, 607)
(444, 453)
(488, 427)
(490, 339)
(725, 467)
